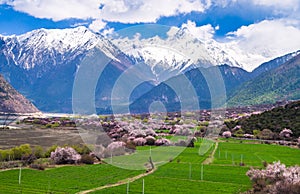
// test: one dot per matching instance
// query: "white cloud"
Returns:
(108, 32)
(204, 32)
(266, 40)
(269, 37)
(57, 9)
(97, 25)
(133, 11)
(124, 11)
(283, 4)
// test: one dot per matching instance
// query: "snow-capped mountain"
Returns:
(42, 64)
(176, 54)
(31, 49)
(183, 50)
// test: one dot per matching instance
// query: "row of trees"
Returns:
(20, 152)
(265, 134)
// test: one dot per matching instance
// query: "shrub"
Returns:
(130, 145)
(28, 159)
(265, 164)
(87, 159)
(51, 149)
(38, 151)
(66, 155)
(181, 142)
(9, 164)
(150, 140)
(81, 149)
(38, 166)
(266, 134)
(5, 155)
(256, 133)
(18, 152)
(239, 133)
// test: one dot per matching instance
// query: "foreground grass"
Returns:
(235, 152)
(183, 173)
(224, 175)
(67, 179)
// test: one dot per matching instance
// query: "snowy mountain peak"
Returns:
(178, 53)
(63, 40)
(54, 45)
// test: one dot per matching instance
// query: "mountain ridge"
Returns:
(43, 64)
(12, 101)
(280, 83)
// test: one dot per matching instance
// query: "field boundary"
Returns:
(210, 158)
(122, 182)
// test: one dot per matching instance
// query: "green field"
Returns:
(67, 179)
(180, 174)
(255, 154)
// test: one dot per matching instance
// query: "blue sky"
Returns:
(19, 16)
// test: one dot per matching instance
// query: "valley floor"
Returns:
(184, 173)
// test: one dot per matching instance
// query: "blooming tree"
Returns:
(276, 178)
(162, 141)
(137, 133)
(248, 135)
(139, 141)
(226, 134)
(150, 132)
(66, 155)
(115, 148)
(116, 145)
(182, 132)
(286, 133)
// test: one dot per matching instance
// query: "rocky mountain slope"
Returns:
(12, 101)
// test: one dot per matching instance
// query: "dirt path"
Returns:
(122, 182)
(210, 158)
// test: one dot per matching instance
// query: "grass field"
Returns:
(67, 179)
(224, 175)
(234, 152)
(184, 173)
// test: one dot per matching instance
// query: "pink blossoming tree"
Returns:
(66, 155)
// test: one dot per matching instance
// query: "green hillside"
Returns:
(282, 83)
(277, 119)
